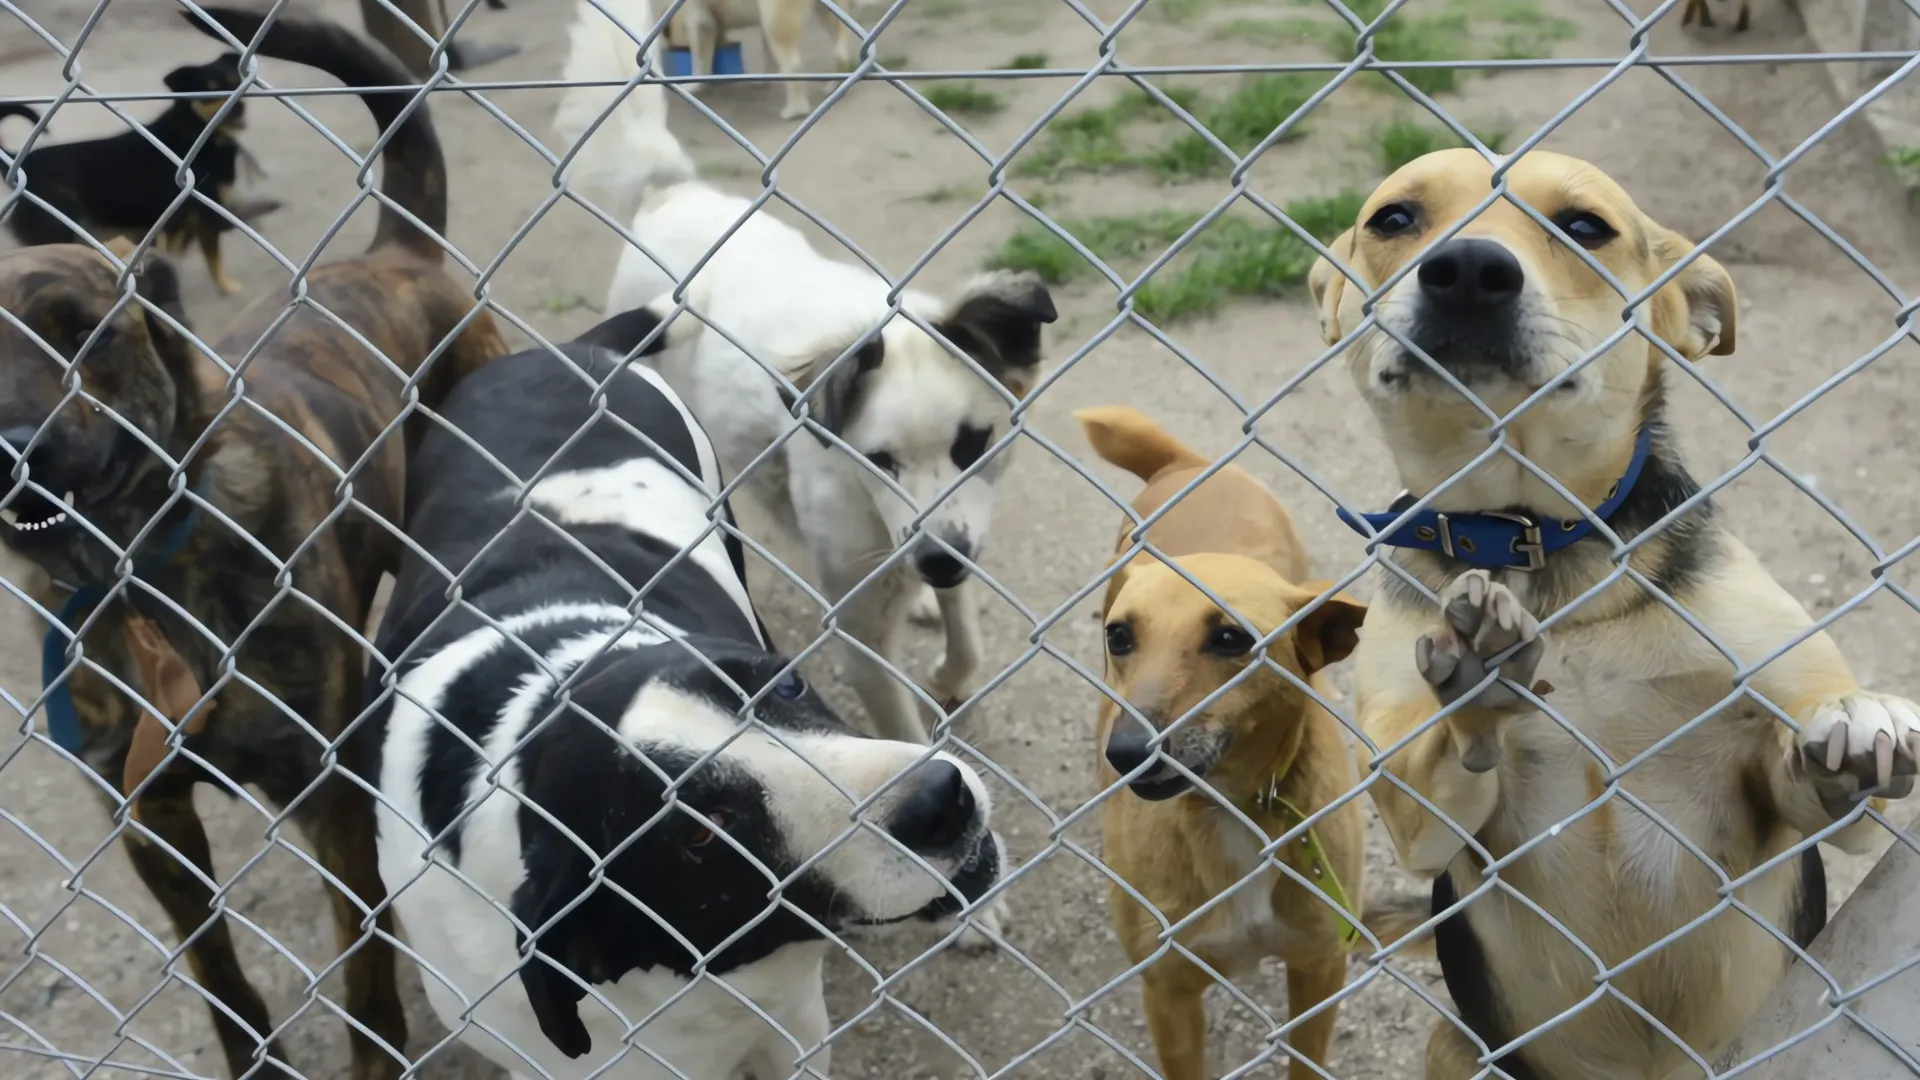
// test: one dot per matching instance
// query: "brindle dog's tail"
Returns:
(9, 109)
(414, 174)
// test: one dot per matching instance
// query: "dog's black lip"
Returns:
(1159, 790)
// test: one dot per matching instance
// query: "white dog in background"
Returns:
(917, 417)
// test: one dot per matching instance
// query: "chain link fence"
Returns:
(1174, 207)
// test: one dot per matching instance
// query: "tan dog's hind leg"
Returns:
(1451, 1055)
(210, 250)
(846, 43)
(1172, 992)
(703, 37)
(1309, 984)
(783, 23)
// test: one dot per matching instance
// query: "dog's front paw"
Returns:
(1860, 745)
(1483, 619)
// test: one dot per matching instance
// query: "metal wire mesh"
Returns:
(95, 979)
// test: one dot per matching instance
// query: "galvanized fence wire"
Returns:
(26, 1045)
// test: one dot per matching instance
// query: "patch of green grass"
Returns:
(963, 99)
(560, 305)
(1293, 30)
(1026, 61)
(1091, 141)
(1175, 11)
(1519, 30)
(1905, 162)
(1400, 141)
(1241, 120)
(943, 193)
(1235, 256)
(939, 9)
(891, 61)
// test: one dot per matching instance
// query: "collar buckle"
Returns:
(1527, 544)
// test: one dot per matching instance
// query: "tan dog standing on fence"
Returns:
(1263, 746)
(1508, 310)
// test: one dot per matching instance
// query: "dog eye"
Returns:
(884, 462)
(970, 444)
(1588, 230)
(790, 686)
(1119, 639)
(1229, 641)
(1391, 220)
(104, 339)
(702, 836)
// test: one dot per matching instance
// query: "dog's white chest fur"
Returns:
(1626, 694)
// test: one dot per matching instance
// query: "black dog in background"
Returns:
(122, 185)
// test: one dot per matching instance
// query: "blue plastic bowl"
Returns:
(726, 61)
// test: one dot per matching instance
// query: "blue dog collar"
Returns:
(63, 721)
(1497, 540)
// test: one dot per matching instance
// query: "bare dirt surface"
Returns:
(88, 975)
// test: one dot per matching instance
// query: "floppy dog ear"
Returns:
(156, 281)
(622, 332)
(1329, 635)
(1709, 310)
(1328, 284)
(556, 874)
(840, 384)
(997, 321)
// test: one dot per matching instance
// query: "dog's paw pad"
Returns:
(1872, 738)
(1482, 620)
(1486, 613)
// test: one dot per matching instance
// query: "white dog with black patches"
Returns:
(551, 767)
(926, 429)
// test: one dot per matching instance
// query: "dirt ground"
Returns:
(84, 976)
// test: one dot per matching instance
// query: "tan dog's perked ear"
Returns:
(1697, 312)
(1331, 632)
(1328, 284)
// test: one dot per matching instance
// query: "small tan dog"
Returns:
(1263, 746)
(1506, 309)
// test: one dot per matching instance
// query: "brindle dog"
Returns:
(268, 534)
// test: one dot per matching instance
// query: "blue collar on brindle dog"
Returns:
(63, 723)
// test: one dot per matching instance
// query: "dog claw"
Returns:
(1483, 619)
(1862, 744)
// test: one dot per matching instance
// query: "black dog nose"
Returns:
(937, 812)
(1471, 274)
(940, 568)
(1128, 750)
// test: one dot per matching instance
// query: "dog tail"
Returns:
(1395, 919)
(633, 149)
(32, 116)
(413, 172)
(1127, 438)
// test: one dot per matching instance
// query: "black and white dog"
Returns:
(594, 775)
